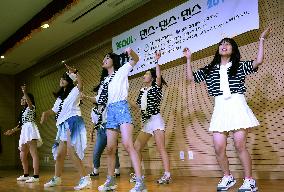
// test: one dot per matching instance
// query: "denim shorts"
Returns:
(118, 113)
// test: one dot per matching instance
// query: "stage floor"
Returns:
(8, 183)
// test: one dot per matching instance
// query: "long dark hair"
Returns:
(235, 57)
(154, 76)
(63, 93)
(118, 61)
(32, 98)
(96, 88)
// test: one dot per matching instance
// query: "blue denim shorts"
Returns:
(118, 113)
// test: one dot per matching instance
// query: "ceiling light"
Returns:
(2, 56)
(62, 61)
(44, 26)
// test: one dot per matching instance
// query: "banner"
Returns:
(195, 24)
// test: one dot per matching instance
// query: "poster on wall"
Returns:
(194, 24)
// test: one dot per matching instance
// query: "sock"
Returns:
(36, 176)
(96, 170)
(168, 174)
(228, 175)
(116, 171)
(26, 175)
(249, 178)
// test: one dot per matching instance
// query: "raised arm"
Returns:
(72, 70)
(28, 100)
(260, 53)
(158, 68)
(133, 55)
(187, 54)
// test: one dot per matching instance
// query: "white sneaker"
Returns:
(85, 182)
(108, 185)
(248, 185)
(164, 179)
(139, 186)
(226, 183)
(22, 178)
(53, 182)
(32, 180)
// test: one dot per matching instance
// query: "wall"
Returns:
(186, 108)
(9, 154)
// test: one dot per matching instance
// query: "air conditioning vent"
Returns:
(86, 10)
(115, 3)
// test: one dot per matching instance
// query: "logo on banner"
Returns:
(125, 42)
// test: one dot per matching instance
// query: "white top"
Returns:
(70, 106)
(224, 82)
(144, 98)
(118, 87)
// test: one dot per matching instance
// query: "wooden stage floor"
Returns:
(8, 183)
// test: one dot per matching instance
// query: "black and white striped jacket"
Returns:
(154, 97)
(236, 83)
(28, 115)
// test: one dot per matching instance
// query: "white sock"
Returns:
(116, 171)
(168, 174)
(96, 170)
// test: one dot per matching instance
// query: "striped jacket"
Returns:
(154, 97)
(236, 83)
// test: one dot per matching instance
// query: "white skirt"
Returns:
(29, 132)
(156, 122)
(232, 114)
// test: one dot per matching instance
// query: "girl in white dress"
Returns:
(30, 138)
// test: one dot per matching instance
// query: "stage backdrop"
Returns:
(186, 108)
(195, 24)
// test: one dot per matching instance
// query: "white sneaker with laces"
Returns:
(248, 185)
(164, 179)
(108, 185)
(226, 183)
(53, 182)
(32, 180)
(85, 182)
(22, 178)
(139, 186)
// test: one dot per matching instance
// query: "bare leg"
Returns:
(220, 144)
(24, 158)
(160, 141)
(76, 160)
(127, 141)
(59, 164)
(240, 138)
(111, 150)
(140, 143)
(34, 154)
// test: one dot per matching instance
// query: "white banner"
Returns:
(195, 24)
